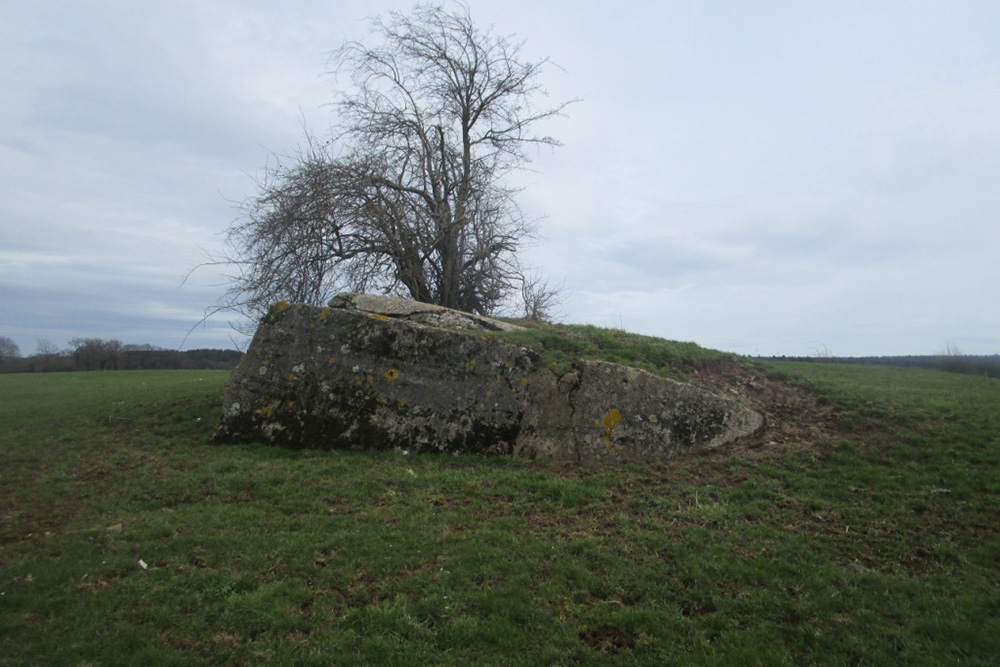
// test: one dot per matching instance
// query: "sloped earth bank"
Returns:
(795, 417)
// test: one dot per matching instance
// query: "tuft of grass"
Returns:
(127, 538)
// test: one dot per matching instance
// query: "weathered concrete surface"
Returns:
(614, 412)
(422, 313)
(379, 373)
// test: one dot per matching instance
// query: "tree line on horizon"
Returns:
(104, 354)
(969, 364)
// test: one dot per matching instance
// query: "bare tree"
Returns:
(8, 349)
(539, 299)
(413, 202)
(45, 348)
(288, 243)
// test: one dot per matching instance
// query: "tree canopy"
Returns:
(408, 196)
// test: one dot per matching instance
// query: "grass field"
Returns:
(127, 538)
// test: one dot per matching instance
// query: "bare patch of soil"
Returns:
(608, 639)
(795, 418)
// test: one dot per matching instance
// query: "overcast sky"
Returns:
(770, 177)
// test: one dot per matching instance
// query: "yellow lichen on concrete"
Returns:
(267, 411)
(380, 318)
(391, 375)
(612, 418)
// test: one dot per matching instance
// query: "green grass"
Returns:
(560, 344)
(879, 546)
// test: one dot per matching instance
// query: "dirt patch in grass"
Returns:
(795, 416)
(607, 639)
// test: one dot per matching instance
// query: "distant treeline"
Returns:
(110, 355)
(970, 364)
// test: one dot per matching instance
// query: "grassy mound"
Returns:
(559, 345)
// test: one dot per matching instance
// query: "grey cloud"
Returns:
(765, 180)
